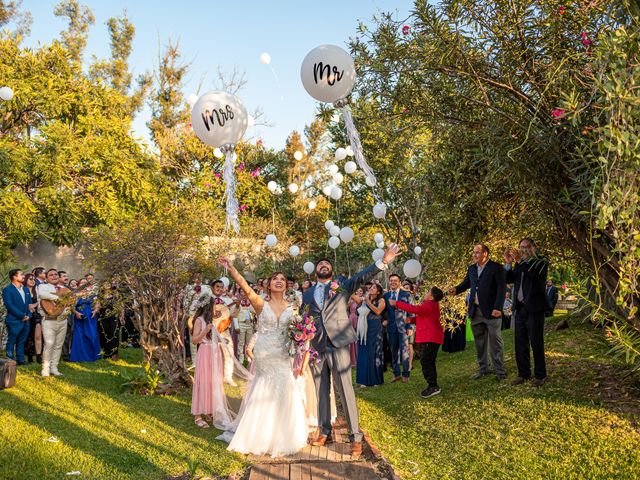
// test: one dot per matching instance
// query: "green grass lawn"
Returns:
(584, 423)
(102, 433)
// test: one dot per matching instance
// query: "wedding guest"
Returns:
(17, 301)
(54, 328)
(507, 311)
(73, 284)
(485, 281)
(552, 298)
(354, 302)
(529, 276)
(196, 293)
(306, 285)
(246, 324)
(410, 320)
(227, 341)
(68, 338)
(85, 345)
(40, 274)
(33, 347)
(429, 335)
(64, 278)
(397, 330)
(370, 357)
(108, 323)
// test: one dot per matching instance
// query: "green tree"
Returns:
(80, 20)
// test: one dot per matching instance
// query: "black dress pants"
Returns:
(529, 334)
(428, 354)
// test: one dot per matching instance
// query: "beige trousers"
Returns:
(53, 333)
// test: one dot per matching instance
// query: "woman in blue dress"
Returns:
(370, 358)
(85, 346)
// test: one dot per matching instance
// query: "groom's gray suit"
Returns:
(334, 334)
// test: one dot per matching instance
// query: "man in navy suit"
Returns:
(17, 299)
(486, 282)
(328, 302)
(396, 329)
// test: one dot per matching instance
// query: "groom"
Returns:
(328, 302)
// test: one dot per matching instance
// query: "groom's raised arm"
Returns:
(362, 277)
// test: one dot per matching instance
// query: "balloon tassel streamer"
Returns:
(354, 141)
(229, 176)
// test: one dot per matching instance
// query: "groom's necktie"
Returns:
(318, 294)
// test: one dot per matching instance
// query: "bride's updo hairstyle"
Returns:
(272, 278)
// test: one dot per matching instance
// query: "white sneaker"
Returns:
(44, 374)
(56, 374)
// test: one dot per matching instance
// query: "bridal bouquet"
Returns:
(301, 330)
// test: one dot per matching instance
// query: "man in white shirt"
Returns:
(54, 329)
(245, 313)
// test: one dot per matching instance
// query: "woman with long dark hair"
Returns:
(370, 361)
(33, 346)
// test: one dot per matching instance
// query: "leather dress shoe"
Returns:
(321, 441)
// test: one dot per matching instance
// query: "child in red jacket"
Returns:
(429, 335)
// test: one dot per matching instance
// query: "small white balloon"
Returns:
(328, 224)
(380, 244)
(272, 186)
(333, 169)
(338, 178)
(341, 154)
(271, 240)
(217, 153)
(225, 281)
(327, 190)
(251, 121)
(378, 237)
(349, 151)
(297, 155)
(293, 188)
(371, 182)
(308, 268)
(6, 93)
(294, 250)
(350, 167)
(412, 268)
(192, 99)
(265, 58)
(335, 193)
(377, 254)
(334, 242)
(334, 231)
(417, 250)
(379, 210)
(328, 73)
(347, 234)
(312, 205)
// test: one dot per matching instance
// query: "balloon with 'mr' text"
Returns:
(328, 73)
(219, 118)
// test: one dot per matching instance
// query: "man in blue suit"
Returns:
(17, 299)
(396, 329)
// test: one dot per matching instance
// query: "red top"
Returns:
(428, 326)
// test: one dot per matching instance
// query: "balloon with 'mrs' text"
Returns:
(328, 73)
(219, 118)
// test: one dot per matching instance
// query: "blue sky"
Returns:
(228, 34)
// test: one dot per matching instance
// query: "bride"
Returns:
(272, 418)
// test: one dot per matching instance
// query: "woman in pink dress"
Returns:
(354, 303)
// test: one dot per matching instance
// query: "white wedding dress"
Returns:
(272, 418)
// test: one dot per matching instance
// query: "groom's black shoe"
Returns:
(322, 440)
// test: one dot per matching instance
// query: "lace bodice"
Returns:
(271, 344)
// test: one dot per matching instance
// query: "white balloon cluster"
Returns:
(333, 169)
(347, 234)
(380, 210)
(377, 254)
(334, 242)
(341, 154)
(334, 231)
(350, 167)
(335, 193)
(328, 224)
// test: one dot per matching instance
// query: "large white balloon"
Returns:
(328, 73)
(341, 154)
(338, 178)
(378, 237)
(350, 167)
(335, 193)
(333, 169)
(6, 93)
(219, 118)
(294, 250)
(293, 188)
(271, 240)
(334, 231)
(379, 210)
(225, 281)
(412, 268)
(272, 186)
(297, 155)
(347, 234)
(265, 58)
(312, 204)
(377, 254)
(308, 268)
(334, 242)
(328, 224)
(417, 250)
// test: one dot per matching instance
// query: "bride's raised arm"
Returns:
(256, 300)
